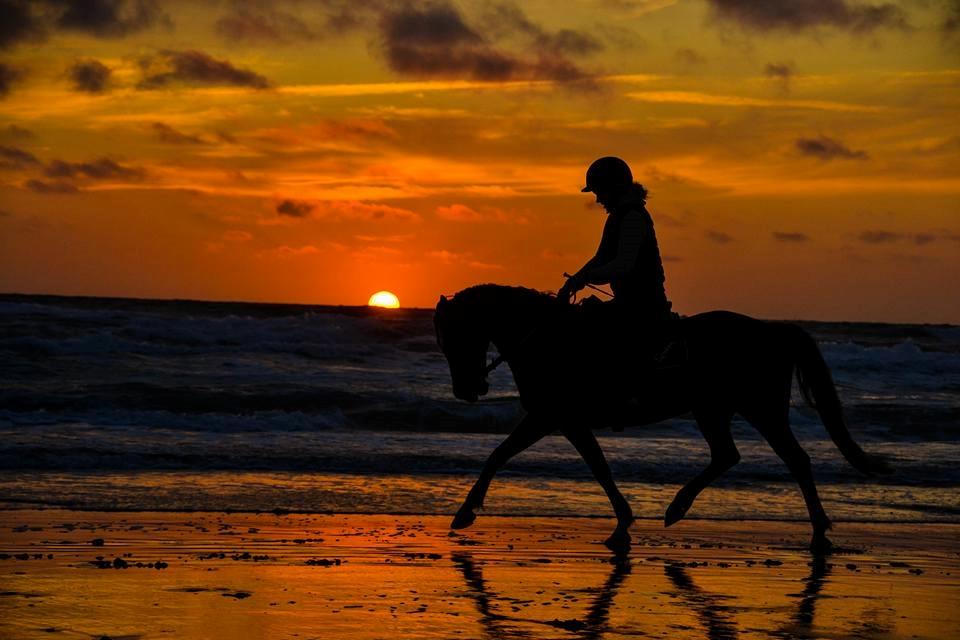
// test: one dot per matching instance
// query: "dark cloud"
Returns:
(827, 149)
(166, 133)
(690, 57)
(434, 40)
(259, 25)
(18, 23)
(34, 20)
(294, 208)
(109, 18)
(794, 15)
(790, 236)
(101, 169)
(195, 68)
(779, 70)
(14, 158)
(879, 236)
(9, 75)
(504, 18)
(719, 237)
(56, 186)
(781, 73)
(16, 132)
(951, 20)
(89, 76)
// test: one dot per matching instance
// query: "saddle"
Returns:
(628, 350)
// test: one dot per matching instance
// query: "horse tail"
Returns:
(817, 388)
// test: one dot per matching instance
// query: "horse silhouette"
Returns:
(733, 364)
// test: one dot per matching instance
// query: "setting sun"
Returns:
(384, 299)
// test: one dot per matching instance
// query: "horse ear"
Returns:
(443, 301)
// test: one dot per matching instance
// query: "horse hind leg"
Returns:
(778, 433)
(723, 456)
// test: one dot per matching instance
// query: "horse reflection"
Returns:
(718, 618)
(496, 625)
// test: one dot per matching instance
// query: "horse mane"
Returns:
(504, 295)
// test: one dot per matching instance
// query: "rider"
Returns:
(628, 257)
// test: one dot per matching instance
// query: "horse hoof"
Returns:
(821, 545)
(674, 514)
(463, 519)
(618, 542)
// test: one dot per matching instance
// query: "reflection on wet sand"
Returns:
(495, 625)
(716, 612)
(709, 608)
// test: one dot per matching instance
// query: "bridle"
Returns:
(502, 356)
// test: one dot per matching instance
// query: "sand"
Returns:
(69, 574)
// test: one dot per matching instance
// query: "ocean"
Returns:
(110, 404)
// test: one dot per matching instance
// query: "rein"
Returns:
(501, 357)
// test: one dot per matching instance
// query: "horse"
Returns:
(731, 364)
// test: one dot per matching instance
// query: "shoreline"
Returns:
(80, 574)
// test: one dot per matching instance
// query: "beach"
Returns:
(78, 574)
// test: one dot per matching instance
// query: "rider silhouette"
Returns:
(628, 258)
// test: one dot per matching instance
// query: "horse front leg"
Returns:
(589, 449)
(528, 432)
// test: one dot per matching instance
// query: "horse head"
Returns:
(464, 343)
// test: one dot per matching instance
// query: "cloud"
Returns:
(16, 132)
(18, 23)
(345, 210)
(781, 72)
(794, 15)
(826, 148)
(719, 100)
(56, 186)
(89, 76)
(951, 19)
(195, 68)
(459, 213)
(466, 258)
(101, 169)
(262, 25)
(433, 40)
(790, 236)
(109, 18)
(505, 18)
(34, 20)
(16, 158)
(168, 134)
(294, 208)
(879, 236)
(9, 76)
(286, 252)
(690, 57)
(718, 236)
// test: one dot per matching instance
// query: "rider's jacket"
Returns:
(641, 289)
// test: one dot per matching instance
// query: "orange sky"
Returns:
(802, 158)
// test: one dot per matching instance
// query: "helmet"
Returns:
(608, 171)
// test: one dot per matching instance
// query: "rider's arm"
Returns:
(632, 232)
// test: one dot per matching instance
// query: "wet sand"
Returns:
(69, 574)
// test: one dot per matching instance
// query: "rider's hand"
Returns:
(569, 289)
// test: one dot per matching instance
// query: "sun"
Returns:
(384, 299)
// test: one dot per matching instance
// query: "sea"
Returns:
(157, 405)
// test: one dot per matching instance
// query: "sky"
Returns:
(802, 158)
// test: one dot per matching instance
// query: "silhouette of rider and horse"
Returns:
(637, 363)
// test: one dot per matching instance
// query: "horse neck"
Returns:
(509, 321)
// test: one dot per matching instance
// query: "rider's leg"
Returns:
(528, 432)
(723, 456)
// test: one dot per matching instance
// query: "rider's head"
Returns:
(608, 178)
